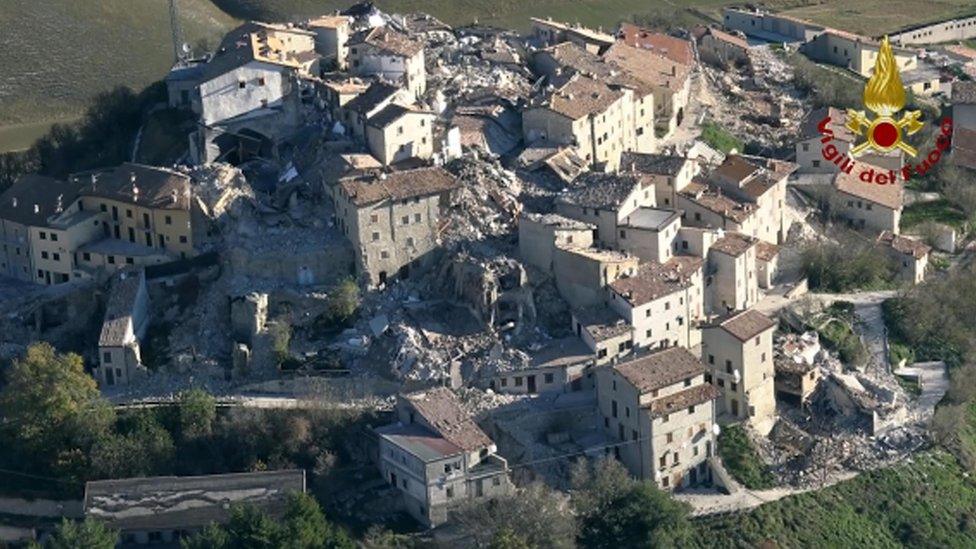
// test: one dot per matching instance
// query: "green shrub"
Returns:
(719, 138)
(742, 461)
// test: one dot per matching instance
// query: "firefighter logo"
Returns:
(884, 94)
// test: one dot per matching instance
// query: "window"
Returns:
(374, 218)
(128, 261)
(721, 382)
(663, 462)
(728, 366)
(627, 411)
(623, 233)
(261, 81)
(620, 431)
(399, 130)
(669, 438)
(416, 218)
(182, 239)
(691, 410)
(107, 357)
(667, 305)
(711, 359)
(40, 273)
(128, 213)
(633, 434)
(688, 382)
(518, 381)
(43, 255)
(647, 333)
(734, 386)
(708, 378)
(111, 259)
(450, 492)
(549, 378)
(613, 408)
(384, 254)
(504, 382)
(665, 418)
(56, 256)
(763, 358)
(241, 84)
(54, 237)
(86, 256)
(816, 163)
(43, 235)
(376, 236)
(169, 220)
(405, 220)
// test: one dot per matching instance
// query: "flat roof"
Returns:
(651, 218)
(419, 442)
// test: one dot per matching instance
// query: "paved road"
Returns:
(934, 382)
(706, 502)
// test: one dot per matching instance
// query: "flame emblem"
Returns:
(884, 94)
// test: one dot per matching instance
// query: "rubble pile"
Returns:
(760, 104)
(468, 68)
(487, 202)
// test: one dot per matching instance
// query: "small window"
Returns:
(241, 84)
(43, 235)
(43, 255)
(549, 378)
(182, 239)
(376, 236)
(691, 410)
(129, 261)
(384, 254)
(107, 357)
(128, 213)
(86, 256)
(416, 218)
(54, 236)
(518, 381)
(405, 220)
(111, 259)
(504, 382)
(56, 256)
(409, 241)
(169, 220)
(374, 218)
(261, 81)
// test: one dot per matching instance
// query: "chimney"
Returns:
(135, 189)
(13, 202)
(58, 208)
(173, 196)
(37, 209)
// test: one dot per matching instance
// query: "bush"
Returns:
(845, 266)
(280, 340)
(828, 87)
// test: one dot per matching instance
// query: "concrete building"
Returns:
(663, 302)
(912, 256)
(393, 221)
(549, 33)
(438, 457)
(605, 333)
(773, 27)
(390, 55)
(331, 39)
(541, 234)
(582, 274)
(161, 511)
(868, 206)
(950, 30)
(53, 246)
(737, 349)
(669, 174)
(605, 200)
(561, 366)
(587, 115)
(125, 324)
(650, 234)
(854, 52)
(731, 282)
(661, 405)
(356, 112)
(397, 133)
(27, 204)
(723, 49)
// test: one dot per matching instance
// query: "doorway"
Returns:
(531, 381)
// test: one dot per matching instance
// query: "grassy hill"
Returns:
(56, 54)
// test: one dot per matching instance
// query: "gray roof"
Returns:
(118, 312)
(650, 218)
(560, 353)
(601, 322)
(601, 191)
(656, 164)
(374, 96)
(34, 189)
(157, 503)
(419, 442)
(557, 221)
(388, 115)
(157, 187)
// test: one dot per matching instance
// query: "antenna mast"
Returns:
(177, 32)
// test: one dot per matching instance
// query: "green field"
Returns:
(56, 54)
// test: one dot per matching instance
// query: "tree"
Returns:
(197, 413)
(249, 528)
(280, 339)
(305, 527)
(534, 517)
(211, 537)
(615, 510)
(89, 534)
(344, 301)
(53, 411)
(141, 447)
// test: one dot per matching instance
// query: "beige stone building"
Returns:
(605, 333)
(661, 410)
(868, 206)
(762, 183)
(731, 282)
(705, 207)
(722, 48)
(356, 112)
(393, 221)
(767, 264)
(549, 33)
(331, 39)
(125, 324)
(390, 55)
(737, 349)
(605, 200)
(54, 244)
(950, 30)
(912, 256)
(582, 274)
(108, 255)
(671, 82)
(649, 233)
(669, 174)
(663, 302)
(541, 234)
(397, 133)
(437, 457)
(29, 203)
(593, 118)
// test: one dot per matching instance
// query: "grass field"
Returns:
(56, 54)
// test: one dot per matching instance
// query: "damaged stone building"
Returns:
(393, 220)
(390, 55)
(660, 410)
(125, 324)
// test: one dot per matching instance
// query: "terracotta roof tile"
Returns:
(583, 96)
(889, 196)
(654, 280)
(905, 245)
(441, 409)
(371, 189)
(744, 325)
(660, 369)
(672, 47)
(682, 400)
(734, 244)
(766, 251)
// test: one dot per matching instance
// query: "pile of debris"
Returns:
(487, 202)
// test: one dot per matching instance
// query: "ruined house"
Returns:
(661, 406)
(124, 327)
(393, 220)
(541, 234)
(912, 256)
(582, 273)
(549, 33)
(438, 457)
(810, 147)
(605, 200)
(723, 49)
(397, 133)
(604, 332)
(390, 55)
(737, 349)
(356, 112)
(767, 264)
(668, 173)
(797, 373)
(560, 366)
(663, 302)
(331, 39)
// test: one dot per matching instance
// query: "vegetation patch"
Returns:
(742, 461)
(719, 138)
(940, 211)
(853, 264)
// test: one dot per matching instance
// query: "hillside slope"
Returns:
(56, 54)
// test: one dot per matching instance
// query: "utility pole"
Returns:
(177, 32)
